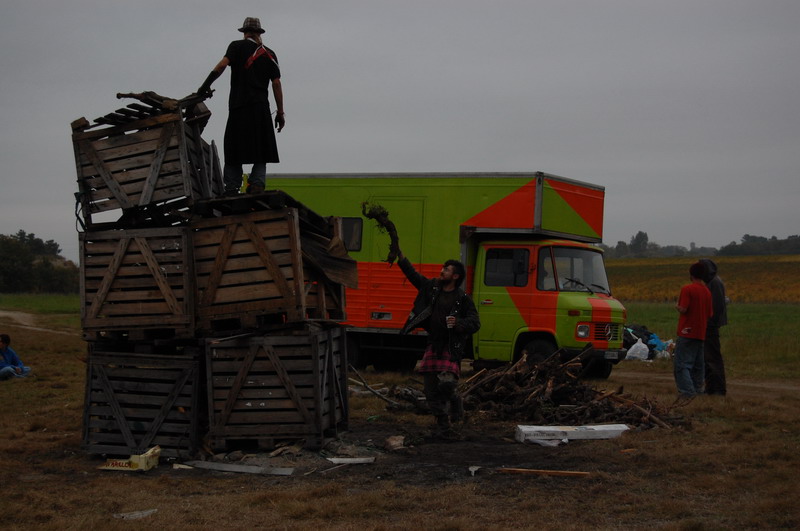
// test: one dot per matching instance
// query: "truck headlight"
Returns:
(583, 331)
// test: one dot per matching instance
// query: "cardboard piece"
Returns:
(141, 463)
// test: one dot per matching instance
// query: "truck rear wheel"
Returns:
(539, 350)
(356, 356)
(597, 368)
(395, 361)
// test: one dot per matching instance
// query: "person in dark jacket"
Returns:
(712, 351)
(249, 137)
(449, 317)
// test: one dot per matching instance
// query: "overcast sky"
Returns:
(687, 111)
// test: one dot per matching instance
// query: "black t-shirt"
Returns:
(437, 326)
(250, 82)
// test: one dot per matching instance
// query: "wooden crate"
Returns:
(251, 270)
(137, 283)
(136, 401)
(288, 384)
(124, 169)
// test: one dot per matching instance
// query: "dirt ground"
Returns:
(627, 476)
(422, 461)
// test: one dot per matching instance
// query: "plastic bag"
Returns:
(639, 351)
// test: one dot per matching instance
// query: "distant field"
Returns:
(748, 279)
(40, 303)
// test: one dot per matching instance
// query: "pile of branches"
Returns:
(551, 393)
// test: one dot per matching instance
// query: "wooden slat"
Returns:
(169, 403)
(297, 261)
(158, 275)
(145, 400)
(210, 289)
(155, 168)
(266, 256)
(238, 382)
(112, 185)
(108, 278)
(119, 416)
(133, 126)
(288, 383)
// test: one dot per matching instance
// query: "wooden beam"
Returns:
(532, 471)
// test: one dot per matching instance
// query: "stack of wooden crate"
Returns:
(174, 272)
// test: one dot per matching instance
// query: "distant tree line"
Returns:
(757, 245)
(640, 246)
(30, 265)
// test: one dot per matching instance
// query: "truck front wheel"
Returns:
(539, 350)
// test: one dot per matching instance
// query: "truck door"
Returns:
(502, 281)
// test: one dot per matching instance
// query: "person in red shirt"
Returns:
(695, 309)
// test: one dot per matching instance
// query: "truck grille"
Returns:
(606, 331)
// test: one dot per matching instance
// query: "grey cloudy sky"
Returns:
(686, 111)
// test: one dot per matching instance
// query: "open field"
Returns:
(748, 279)
(733, 466)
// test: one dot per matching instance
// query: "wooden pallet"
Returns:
(290, 384)
(139, 161)
(252, 270)
(137, 283)
(136, 401)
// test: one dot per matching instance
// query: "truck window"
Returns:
(546, 277)
(580, 270)
(351, 233)
(507, 267)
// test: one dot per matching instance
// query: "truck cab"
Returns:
(542, 296)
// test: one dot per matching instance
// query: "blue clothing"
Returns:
(9, 362)
(688, 366)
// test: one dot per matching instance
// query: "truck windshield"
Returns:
(575, 270)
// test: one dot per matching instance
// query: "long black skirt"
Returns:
(250, 136)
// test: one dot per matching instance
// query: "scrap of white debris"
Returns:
(566, 433)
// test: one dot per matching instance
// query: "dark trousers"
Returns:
(440, 393)
(714, 365)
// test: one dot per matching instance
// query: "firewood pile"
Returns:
(545, 393)
(550, 393)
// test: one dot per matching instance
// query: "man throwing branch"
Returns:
(449, 316)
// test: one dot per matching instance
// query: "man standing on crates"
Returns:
(449, 316)
(249, 136)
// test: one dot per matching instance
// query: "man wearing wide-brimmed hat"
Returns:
(249, 134)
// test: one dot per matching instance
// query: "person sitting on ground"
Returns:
(10, 364)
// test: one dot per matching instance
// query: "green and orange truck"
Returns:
(536, 278)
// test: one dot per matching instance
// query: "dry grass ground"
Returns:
(735, 467)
